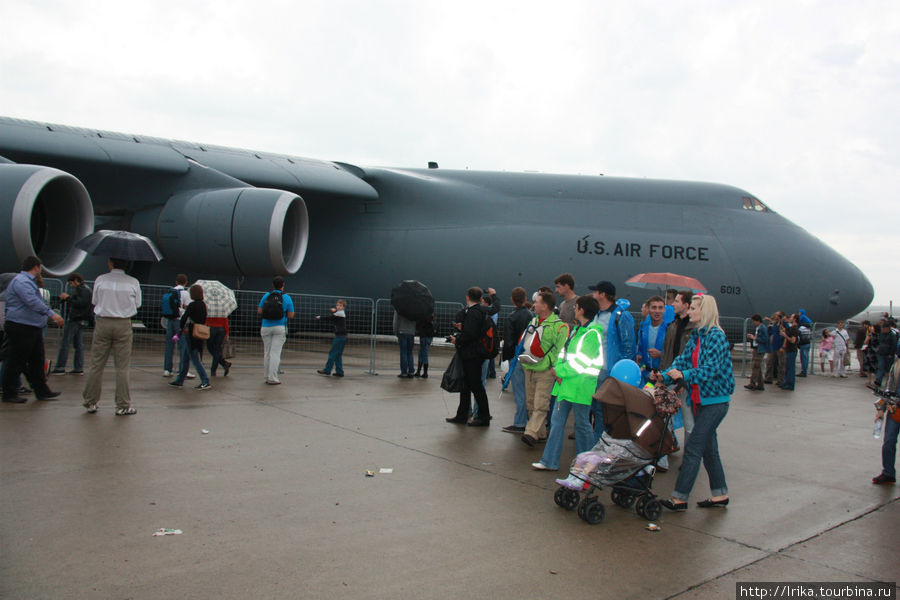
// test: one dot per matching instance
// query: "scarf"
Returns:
(695, 389)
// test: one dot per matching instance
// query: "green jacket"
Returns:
(579, 365)
(553, 339)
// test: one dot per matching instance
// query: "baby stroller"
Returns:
(637, 436)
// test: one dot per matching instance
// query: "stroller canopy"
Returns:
(629, 414)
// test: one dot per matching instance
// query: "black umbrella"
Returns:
(413, 300)
(120, 244)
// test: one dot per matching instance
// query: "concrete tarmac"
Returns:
(274, 501)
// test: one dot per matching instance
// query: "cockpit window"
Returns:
(750, 203)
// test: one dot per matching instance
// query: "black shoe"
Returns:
(48, 396)
(528, 440)
(712, 503)
(749, 387)
(673, 506)
(323, 372)
(15, 399)
(337, 375)
(801, 375)
(227, 369)
(769, 381)
(403, 375)
(425, 371)
(457, 420)
(76, 372)
(878, 480)
(58, 372)
(513, 429)
(479, 423)
(24, 390)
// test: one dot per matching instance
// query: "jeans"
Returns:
(889, 447)
(703, 445)
(884, 366)
(597, 410)
(336, 356)
(193, 358)
(273, 341)
(584, 435)
(71, 335)
(804, 359)
(790, 370)
(517, 381)
(424, 344)
(173, 326)
(214, 345)
(484, 373)
(407, 341)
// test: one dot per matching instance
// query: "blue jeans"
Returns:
(71, 334)
(336, 356)
(884, 366)
(190, 356)
(584, 435)
(804, 358)
(889, 447)
(703, 445)
(597, 410)
(790, 370)
(214, 345)
(517, 381)
(424, 344)
(173, 326)
(407, 341)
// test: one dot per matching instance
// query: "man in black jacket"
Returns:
(79, 316)
(516, 323)
(472, 356)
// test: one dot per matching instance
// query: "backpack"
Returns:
(532, 353)
(488, 341)
(272, 308)
(805, 337)
(170, 303)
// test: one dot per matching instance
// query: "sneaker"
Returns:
(323, 372)
(76, 372)
(122, 412)
(571, 482)
(539, 466)
(175, 384)
(167, 373)
(882, 479)
(91, 408)
(191, 376)
(270, 382)
(58, 372)
(513, 429)
(204, 386)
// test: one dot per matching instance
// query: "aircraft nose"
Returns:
(852, 294)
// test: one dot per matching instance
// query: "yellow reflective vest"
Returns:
(579, 365)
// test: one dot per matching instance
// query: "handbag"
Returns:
(200, 332)
(227, 348)
(454, 380)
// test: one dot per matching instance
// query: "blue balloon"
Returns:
(627, 371)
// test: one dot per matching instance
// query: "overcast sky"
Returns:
(794, 101)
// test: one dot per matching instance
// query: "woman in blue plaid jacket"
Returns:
(705, 366)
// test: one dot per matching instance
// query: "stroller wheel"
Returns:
(652, 510)
(622, 498)
(566, 498)
(591, 511)
(639, 507)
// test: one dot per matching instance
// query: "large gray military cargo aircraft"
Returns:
(334, 228)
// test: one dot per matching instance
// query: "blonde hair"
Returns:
(709, 312)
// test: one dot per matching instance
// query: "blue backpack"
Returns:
(170, 303)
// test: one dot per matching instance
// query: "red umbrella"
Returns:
(666, 280)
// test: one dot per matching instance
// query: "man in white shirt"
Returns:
(116, 298)
(841, 343)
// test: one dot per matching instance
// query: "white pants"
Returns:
(273, 340)
(840, 369)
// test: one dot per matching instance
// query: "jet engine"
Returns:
(43, 212)
(247, 231)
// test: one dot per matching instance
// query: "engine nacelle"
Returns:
(43, 212)
(247, 231)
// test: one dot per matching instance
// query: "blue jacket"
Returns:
(763, 343)
(777, 340)
(643, 348)
(713, 374)
(618, 336)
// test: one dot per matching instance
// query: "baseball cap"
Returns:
(605, 287)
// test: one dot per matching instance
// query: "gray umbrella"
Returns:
(120, 244)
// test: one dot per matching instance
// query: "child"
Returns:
(826, 351)
(338, 315)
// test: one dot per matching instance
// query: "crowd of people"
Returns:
(558, 352)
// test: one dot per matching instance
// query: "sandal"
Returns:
(125, 411)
